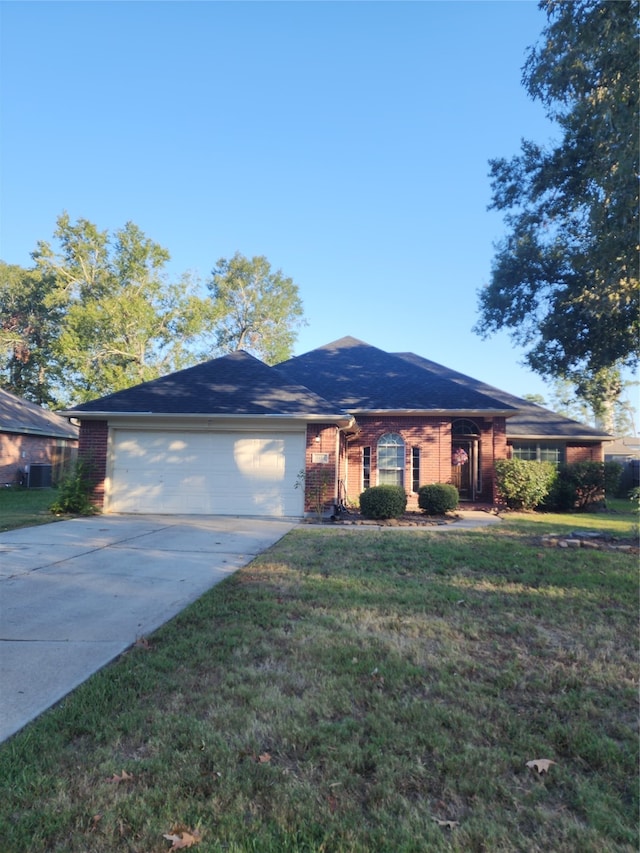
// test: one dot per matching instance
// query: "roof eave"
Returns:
(42, 433)
(458, 413)
(536, 436)
(339, 418)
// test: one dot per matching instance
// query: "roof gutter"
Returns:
(458, 413)
(537, 436)
(341, 419)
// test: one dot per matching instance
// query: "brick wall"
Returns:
(320, 486)
(19, 450)
(584, 453)
(92, 450)
(431, 435)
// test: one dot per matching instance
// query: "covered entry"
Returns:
(465, 459)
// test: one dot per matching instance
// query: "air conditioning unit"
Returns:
(39, 476)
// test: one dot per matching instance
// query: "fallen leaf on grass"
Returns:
(125, 777)
(95, 820)
(446, 824)
(542, 765)
(265, 758)
(183, 839)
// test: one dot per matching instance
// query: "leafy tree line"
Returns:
(96, 313)
(564, 281)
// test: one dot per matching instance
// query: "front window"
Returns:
(391, 460)
(534, 452)
(366, 467)
(415, 469)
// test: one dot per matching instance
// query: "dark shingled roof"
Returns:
(359, 378)
(531, 420)
(21, 416)
(236, 384)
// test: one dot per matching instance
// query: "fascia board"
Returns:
(539, 436)
(458, 413)
(115, 417)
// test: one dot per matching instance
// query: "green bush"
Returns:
(584, 484)
(383, 502)
(438, 498)
(74, 491)
(524, 484)
(612, 478)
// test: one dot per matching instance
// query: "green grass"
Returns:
(348, 690)
(25, 507)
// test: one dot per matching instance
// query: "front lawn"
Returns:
(25, 507)
(358, 690)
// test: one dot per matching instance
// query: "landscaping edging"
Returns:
(592, 540)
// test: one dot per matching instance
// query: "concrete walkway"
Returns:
(75, 594)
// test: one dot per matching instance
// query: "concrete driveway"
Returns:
(75, 594)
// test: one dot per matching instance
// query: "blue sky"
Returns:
(346, 141)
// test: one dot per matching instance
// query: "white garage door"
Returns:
(206, 473)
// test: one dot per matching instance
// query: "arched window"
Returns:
(391, 460)
(464, 427)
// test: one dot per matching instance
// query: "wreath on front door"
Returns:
(459, 457)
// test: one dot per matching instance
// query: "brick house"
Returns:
(33, 441)
(234, 436)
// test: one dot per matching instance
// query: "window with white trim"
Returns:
(532, 451)
(391, 460)
(366, 467)
(415, 469)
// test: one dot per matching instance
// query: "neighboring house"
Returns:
(35, 444)
(234, 436)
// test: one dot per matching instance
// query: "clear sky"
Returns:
(348, 142)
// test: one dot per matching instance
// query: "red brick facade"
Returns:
(584, 453)
(432, 438)
(92, 450)
(18, 450)
(334, 459)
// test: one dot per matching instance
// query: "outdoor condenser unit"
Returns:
(38, 476)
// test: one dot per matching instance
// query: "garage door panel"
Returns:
(206, 473)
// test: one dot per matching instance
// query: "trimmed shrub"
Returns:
(524, 484)
(438, 498)
(383, 502)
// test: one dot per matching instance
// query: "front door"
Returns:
(465, 467)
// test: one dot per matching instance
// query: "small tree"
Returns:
(74, 493)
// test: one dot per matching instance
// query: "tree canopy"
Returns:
(120, 321)
(257, 309)
(97, 313)
(564, 281)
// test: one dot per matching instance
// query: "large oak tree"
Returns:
(565, 278)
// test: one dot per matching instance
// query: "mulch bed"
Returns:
(409, 519)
